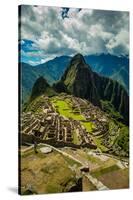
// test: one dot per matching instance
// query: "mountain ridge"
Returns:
(82, 82)
(117, 68)
(41, 87)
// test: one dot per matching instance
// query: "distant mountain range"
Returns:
(111, 66)
(107, 65)
(51, 71)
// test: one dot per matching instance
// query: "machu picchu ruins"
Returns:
(78, 136)
(50, 127)
(77, 124)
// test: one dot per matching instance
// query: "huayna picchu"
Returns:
(81, 81)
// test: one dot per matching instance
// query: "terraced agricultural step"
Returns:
(98, 184)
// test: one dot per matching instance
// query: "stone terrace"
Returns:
(92, 114)
(50, 127)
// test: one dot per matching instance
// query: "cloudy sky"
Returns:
(47, 32)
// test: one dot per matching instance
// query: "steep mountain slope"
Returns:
(51, 71)
(28, 76)
(41, 87)
(110, 65)
(122, 76)
(81, 81)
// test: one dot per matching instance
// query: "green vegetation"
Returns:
(94, 159)
(79, 80)
(88, 125)
(119, 138)
(41, 87)
(35, 105)
(71, 162)
(53, 188)
(54, 172)
(65, 109)
(113, 132)
(46, 173)
(115, 179)
(71, 75)
(118, 133)
(98, 142)
(108, 107)
(123, 139)
(76, 140)
(27, 153)
(100, 171)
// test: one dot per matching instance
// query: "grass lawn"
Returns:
(88, 125)
(104, 170)
(65, 109)
(94, 160)
(46, 173)
(71, 162)
(99, 145)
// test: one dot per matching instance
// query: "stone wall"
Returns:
(29, 139)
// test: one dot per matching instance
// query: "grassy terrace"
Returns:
(88, 125)
(35, 105)
(100, 146)
(104, 170)
(76, 140)
(64, 107)
(46, 173)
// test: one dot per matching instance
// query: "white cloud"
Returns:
(30, 62)
(121, 40)
(22, 42)
(85, 31)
